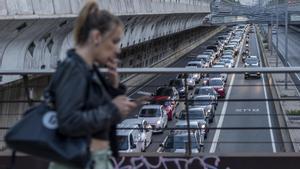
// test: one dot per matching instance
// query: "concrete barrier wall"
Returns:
(42, 43)
(70, 8)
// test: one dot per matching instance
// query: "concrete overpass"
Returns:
(41, 30)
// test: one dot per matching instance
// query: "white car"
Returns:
(133, 135)
(229, 57)
(155, 115)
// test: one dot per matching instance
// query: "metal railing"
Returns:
(166, 71)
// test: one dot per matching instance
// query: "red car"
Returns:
(218, 85)
(168, 106)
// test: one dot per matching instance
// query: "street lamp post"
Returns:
(286, 42)
(277, 26)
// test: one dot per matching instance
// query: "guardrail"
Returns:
(165, 71)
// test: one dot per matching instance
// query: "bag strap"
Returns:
(12, 160)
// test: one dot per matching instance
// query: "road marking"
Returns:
(267, 103)
(224, 108)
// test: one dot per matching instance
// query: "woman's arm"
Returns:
(70, 98)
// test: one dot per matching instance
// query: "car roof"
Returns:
(204, 87)
(202, 96)
(151, 106)
(218, 66)
(195, 61)
(184, 122)
(126, 128)
(216, 78)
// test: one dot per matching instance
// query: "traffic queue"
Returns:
(204, 91)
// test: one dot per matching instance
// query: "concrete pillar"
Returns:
(269, 36)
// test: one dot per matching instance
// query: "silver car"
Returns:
(155, 115)
(177, 142)
(207, 103)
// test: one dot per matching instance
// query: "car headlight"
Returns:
(203, 126)
(158, 122)
(220, 89)
(181, 90)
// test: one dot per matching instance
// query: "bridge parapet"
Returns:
(11, 9)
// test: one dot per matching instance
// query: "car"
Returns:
(231, 47)
(206, 90)
(155, 115)
(227, 63)
(251, 61)
(213, 47)
(218, 85)
(229, 57)
(196, 114)
(166, 104)
(228, 52)
(199, 129)
(133, 135)
(208, 104)
(191, 81)
(179, 85)
(219, 64)
(196, 63)
(205, 80)
(211, 53)
(206, 58)
(177, 142)
(215, 53)
(167, 92)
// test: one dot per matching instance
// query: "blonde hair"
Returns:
(91, 17)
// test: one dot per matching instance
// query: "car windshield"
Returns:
(193, 64)
(122, 142)
(150, 113)
(178, 142)
(212, 75)
(164, 92)
(193, 115)
(176, 83)
(203, 91)
(202, 101)
(251, 61)
(215, 82)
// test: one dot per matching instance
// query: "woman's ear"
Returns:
(96, 37)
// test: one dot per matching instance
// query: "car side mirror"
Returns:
(161, 145)
(133, 146)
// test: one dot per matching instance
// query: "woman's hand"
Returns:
(124, 105)
(113, 75)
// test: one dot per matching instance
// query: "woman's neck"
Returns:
(85, 54)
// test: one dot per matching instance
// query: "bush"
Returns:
(294, 112)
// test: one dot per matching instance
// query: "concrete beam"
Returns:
(33, 9)
(41, 43)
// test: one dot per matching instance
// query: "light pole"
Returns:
(277, 26)
(286, 42)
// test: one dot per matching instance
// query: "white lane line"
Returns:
(224, 108)
(267, 103)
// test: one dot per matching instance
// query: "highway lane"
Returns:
(230, 140)
(248, 114)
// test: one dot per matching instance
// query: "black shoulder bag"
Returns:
(37, 134)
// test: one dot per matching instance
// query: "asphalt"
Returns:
(237, 114)
(249, 115)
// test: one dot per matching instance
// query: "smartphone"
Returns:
(142, 100)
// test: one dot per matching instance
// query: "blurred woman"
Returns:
(89, 103)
